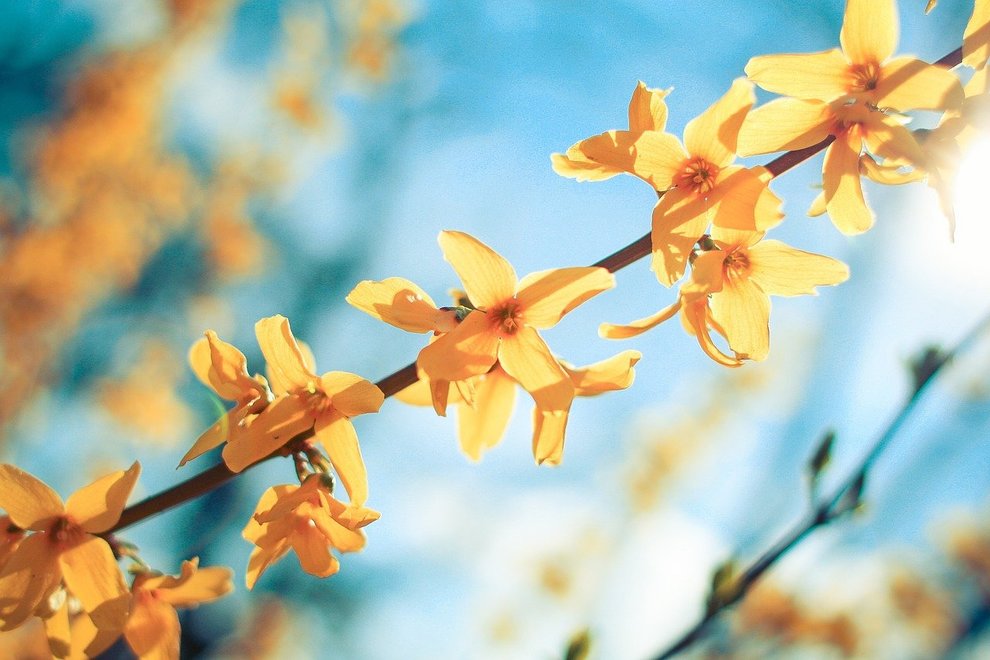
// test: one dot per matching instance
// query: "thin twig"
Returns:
(844, 498)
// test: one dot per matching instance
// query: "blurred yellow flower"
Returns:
(308, 520)
(64, 546)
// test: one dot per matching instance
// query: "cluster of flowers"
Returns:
(712, 216)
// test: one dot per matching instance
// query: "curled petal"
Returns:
(653, 156)
(713, 134)
(612, 331)
(97, 507)
(697, 319)
(337, 535)
(843, 192)
(548, 435)
(869, 30)
(614, 373)
(647, 108)
(398, 302)
(261, 559)
(351, 394)
(28, 501)
(152, 629)
(547, 295)
(783, 125)
(824, 76)
(890, 175)
(487, 277)
(907, 83)
(92, 575)
(481, 427)
(526, 357)
(228, 373)
(195, 585)
(314, 555)
(575, 165)
(287, 369)
(340, 441)
(468, 350)
(781, 270)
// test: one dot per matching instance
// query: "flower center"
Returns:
(65, 531)
(864, 77)
(736, 263)
(506, 317)
(699, 175)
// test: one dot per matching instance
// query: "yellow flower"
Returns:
(64, 546)
(697, 180)
(863, 70)
(152, 629)
(10, 537)
(976, 38)
(503, 324)
(730, 288)
(482, 420)
(308, 520)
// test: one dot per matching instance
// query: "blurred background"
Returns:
(168, 166)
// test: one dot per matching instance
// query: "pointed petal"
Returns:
(818, 206)
(417, 394)
(652, 156)
(548, 435)
(439, 393)
(612, 331)
(480, 428)
(888, 175)
(88, 641)
(152, 630)
(92, 575)
(742, 199)
(201, 362)
(647, 108)
(547, 295)
(228, 371)
(614, 373)
(314, 555)
(257, 437)
(869, 30)
(340, 441)
(907, 83)
(28, 578)
(781, 270)
(695, 314)
(261, 559)
(398, 302)
(743, 311)
(976, 38)
(575, 165)
(526, 357)
(201, 586)
(713, 134)
(27, 500)
(784, 125)
(679, 220)
(843, 192)
(351, 394)
(58, 632)
(468, 350)
(487, 277)
(214, 436)
(97, 507)
(338, 536)
(824, 76)
(287, 369)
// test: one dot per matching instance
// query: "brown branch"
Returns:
(399, 380)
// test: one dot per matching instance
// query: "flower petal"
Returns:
(869, 30)
(888, 138)
(976, 38)
(340, 441)
(907, 83)
(713, 134)
(58, 632)
(652, 156)
(336, 534)
(28, 578)
(824, 76)
(743, 311)
(526, 357)
(97, 507)
(468, 350)
(287, 368)
(398, 302)
(784, 125)
(612, 331)
(548, 435)
(697, 318)
(28, 501)
(781, 270)
(214, 436)
(487, 277)
(197, 585)
(228, 372)
(547, 295)
(92, 575)
(351, 394)
(152, 629)
(481, 427)
(647, 108)
(679, 220)
(742, 199)
(843, 192)
(261, 559)
(314, 555)
(258, 436)
(614, 373)
(575, 165)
